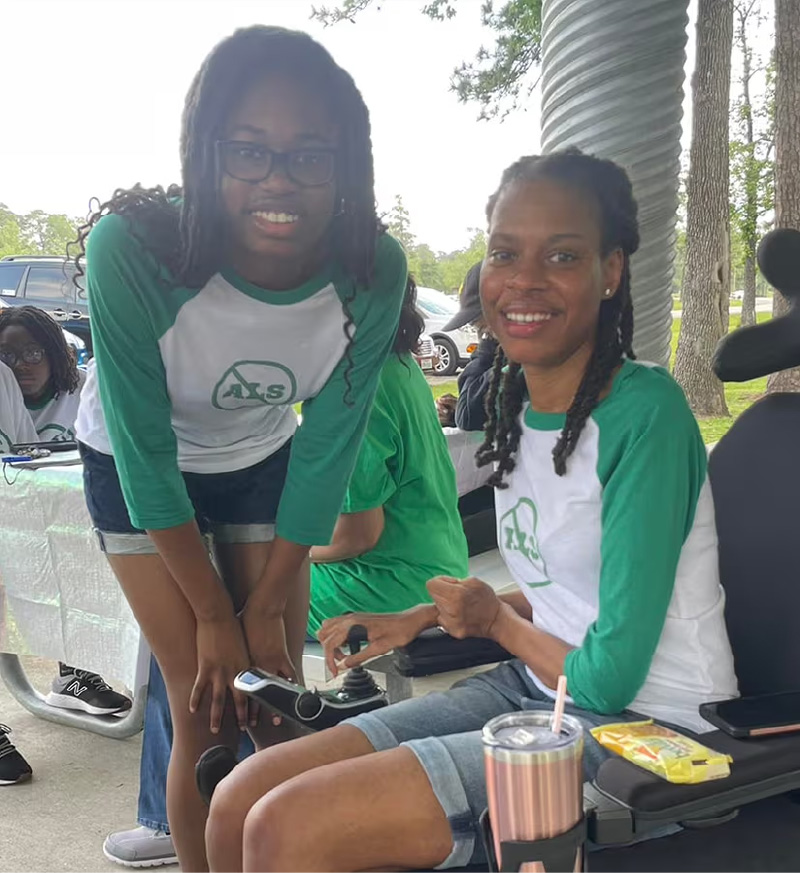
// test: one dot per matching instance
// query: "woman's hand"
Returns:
(266, 641)
(221, 655)
(384, 633)
(466, 607)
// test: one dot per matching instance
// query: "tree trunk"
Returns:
(787, 147)
(706, 285)
(751, 205)
(749, 295)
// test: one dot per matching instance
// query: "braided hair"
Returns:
(411, 325)
(45, 330)
(609, 185)
(181, 226)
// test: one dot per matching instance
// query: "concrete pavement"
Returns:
(84, 786)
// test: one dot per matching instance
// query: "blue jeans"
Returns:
(156, 747)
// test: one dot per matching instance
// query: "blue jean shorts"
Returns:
(443, 730)
(239, 506)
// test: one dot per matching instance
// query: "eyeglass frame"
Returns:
(11, 359)
(276, 160)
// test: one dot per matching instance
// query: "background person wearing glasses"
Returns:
(33, 346)
(266, 281)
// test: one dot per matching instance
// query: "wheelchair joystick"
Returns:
(358, 683)
(317, 710)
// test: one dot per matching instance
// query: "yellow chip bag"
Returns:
(663, 751)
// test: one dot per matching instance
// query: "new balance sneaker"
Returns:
(80, 689)
(13, 767)
(141, 847)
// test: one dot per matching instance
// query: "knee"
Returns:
(226, 814)
(277, 827)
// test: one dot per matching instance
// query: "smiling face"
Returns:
(277, 227)
(544, 277)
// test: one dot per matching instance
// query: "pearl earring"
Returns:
(607, 292)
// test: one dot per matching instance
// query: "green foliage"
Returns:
(445, 272)
(499, 74)
(36, 233)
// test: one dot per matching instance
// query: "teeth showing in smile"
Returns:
(528, 317)
(278, 217)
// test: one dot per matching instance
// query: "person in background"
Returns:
(400, 523)
(33, 346)
(16, 427)
(473, 380)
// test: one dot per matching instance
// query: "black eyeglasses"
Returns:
(251, 162)
(29, 355)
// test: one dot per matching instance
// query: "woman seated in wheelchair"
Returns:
(605, 519)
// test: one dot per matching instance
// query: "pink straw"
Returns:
(558, 709)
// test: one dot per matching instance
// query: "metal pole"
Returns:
(612, 84)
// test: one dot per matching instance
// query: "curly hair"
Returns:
(180, 226)
(610, 187)
(45, 330)
(412, 324)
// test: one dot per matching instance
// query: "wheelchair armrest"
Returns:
(761, 768)
(435, 651)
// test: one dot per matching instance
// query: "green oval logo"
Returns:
(254, 383)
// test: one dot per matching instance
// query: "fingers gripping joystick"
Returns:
(317, 709)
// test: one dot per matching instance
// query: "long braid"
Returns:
(503, 430)
(182, 227)
(609, 185)
(611, 346)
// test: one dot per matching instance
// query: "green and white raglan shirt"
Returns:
(16, 425)
(204, 380)
(54, 417)
(619, 556)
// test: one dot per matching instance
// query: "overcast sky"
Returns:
(93, 91)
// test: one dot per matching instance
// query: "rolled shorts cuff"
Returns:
(239, 534)
(114, 543)
(444, 778)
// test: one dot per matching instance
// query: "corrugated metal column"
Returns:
(612, 84)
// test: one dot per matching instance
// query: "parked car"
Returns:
(48, 283)
(453, 347)
(425, 355)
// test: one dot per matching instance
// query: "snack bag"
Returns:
(663, 751)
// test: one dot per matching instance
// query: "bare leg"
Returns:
(242, 566)
(327, 802)
(168, 623)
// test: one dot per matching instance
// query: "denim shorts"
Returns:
(443, 729)
(239, 506)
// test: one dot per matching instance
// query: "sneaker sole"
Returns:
(65, 701)
(150, 862)
(25, 777)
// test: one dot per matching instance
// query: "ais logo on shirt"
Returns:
(254, 383)
(518, 532)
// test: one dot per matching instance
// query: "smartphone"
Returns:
(755, 716)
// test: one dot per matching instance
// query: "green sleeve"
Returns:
(651, 484)
(131, 377)
(372, 482)
(326, 444)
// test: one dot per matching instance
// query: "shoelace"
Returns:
(93, 679)
(6, 746)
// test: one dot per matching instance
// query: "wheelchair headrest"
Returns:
(751, 352)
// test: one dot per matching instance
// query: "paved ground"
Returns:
(84, 786)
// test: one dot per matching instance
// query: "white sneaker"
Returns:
(140, 847)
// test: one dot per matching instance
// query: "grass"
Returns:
(738, 395)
